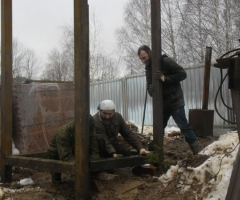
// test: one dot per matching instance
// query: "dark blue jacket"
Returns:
(172, 91)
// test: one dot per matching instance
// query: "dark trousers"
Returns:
(55, 176)
(180, 119)
(119, 148)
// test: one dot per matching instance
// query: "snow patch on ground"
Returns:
(15, 151)
(26, 181)
(214, 174)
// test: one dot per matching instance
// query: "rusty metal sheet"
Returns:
(39, 109)
(201, 122)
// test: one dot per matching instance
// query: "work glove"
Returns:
(159, 75)
(117, 155)
(143, 152)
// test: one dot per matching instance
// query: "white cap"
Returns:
(106, 105)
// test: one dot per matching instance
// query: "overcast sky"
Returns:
(37, 23)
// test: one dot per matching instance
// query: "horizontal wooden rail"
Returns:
(41, 164)
(44, 164)
(113, 163)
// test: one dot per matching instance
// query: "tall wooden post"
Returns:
(6, 88)
(158, 131)
(81, 60)
(206, 81)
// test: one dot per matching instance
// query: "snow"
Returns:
(15, 151)
(26, 181)
(222, 154)
(219, 166)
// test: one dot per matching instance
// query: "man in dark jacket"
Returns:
(173, 101)
(62, 145)
(108, 124)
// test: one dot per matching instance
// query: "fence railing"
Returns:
(129, 95)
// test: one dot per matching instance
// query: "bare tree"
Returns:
(102, 66)
(209, 23)
(68, 50)
(135, 32)
(188, 26)
(18, 59)
(170, 28)
(56, 68)
(31, 64)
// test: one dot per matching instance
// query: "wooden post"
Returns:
(206, 81)
(158, 131)
(6, 88)
(81, 60)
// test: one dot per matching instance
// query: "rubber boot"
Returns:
(194, 147)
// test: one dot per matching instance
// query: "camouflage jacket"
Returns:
(110, 133)
(62, 145)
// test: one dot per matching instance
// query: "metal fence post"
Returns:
(124, 99)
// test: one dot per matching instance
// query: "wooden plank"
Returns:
(81, 80)
(6, 88)
(207, 69)
(43, 155)
(157, 100)
(41, 164)
(113, 163)
(69, 167)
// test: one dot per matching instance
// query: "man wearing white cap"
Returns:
(108, 124)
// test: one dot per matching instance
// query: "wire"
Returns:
(226, 154)
(215, 101)
(238, 49)
(220, 87)
(221, 93)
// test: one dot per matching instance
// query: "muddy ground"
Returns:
(121, 184)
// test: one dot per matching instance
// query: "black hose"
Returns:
(215, 101)
(220, 87)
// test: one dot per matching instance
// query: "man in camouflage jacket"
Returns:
(62, 145)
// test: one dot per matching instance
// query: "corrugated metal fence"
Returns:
(129, 95)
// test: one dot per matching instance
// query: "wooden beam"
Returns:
(41, 164)
(158, 131)
(6, 88)
(113, 163)
(69, 167)
(43, 155)
(81, 80)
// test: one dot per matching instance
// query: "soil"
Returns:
(120, 184)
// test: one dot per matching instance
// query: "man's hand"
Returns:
(150, 88)
(159, 75)
(143, 152)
